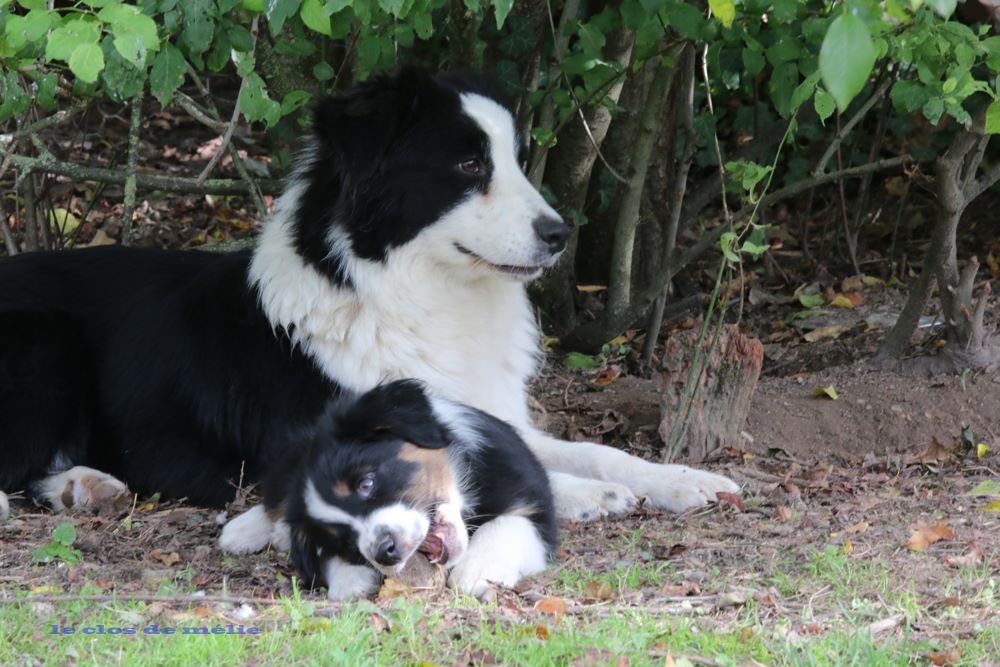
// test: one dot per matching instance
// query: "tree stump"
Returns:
(722, 398)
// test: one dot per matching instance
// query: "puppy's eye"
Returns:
(366, 485)
(472, 166)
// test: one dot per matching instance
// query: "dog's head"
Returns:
(379, 483)
(416, 168)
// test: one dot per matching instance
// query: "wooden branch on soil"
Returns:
(214, 186)
(128, 209)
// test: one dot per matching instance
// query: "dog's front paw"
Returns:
(350, 582)
(80, 487)
(247, 533)
(677, 488)
(579, 499)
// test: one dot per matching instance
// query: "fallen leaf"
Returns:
(822, 333)
(542, 632)
(168, 558)
(554, 607)
(987, 487)
(783, 513)
(100, 238)
(607, 376)
(973, 557)
(852, 283)
(598, 590)
(896, 186)
(734, 499)
(392, 588)
(991, 507)
(935, 452)
(982, 449)
(847, 547)
(945, 658)
(841, 301)
(857, 528)
(827, 392)
(45, 589)
(924, 536)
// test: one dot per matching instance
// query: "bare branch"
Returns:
(133, 162)
(849, 125)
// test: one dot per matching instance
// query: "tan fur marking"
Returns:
(67, 495)
(341, 489)
(276, 514)
(433, 479)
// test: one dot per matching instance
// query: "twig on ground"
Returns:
(128, 210)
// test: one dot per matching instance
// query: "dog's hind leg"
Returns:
(502, 551)
(671, 487)
(78, 488)
(253, 530)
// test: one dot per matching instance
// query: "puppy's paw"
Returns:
(247, 533)
(677, 488)
(579, 499)
(350, 582)
(476, 576)
(80, 488)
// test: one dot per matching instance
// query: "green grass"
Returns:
(413, 632)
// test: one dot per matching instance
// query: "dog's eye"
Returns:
(366, 485)
(472, 166)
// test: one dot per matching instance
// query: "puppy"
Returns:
(397, 471)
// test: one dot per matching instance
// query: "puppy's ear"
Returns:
(401, 409)
(360, 126)
(306, 558)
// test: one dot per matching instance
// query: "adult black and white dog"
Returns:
(395, 471)
(400, 249)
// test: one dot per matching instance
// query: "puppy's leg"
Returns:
(501, 551)
(252, 531)
(670, 487)
(78, 487)
(580, 499)
(349, 582)
(4, 506)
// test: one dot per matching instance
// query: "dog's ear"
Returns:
(360, 126)
(306, 558)
(400, 409)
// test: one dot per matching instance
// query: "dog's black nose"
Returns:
(553, 232)
(387, 553)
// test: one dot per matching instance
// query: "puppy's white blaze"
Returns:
(407, 526)
(458, 419)
(319, 509)
(502, 551)
(347, 582)
(247, 533)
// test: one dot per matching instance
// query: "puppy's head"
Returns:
(377, 483)
(427, 170)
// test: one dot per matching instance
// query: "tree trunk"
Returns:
(620, 277)
(969, 344)
(569, 168)
(720, 400)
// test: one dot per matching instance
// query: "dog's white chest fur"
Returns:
(405, 318)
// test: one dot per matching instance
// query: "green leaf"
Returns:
(255, 103)
(86, 62)
(294, 100)
(239, 37)
(993, 118)
(846, 58)
(167, 74)
(687, 19)
(279, 11)
(46, 95)
(21, 30)
(323, 71)
(65, 534)
(134, 32)
(70, 35)
(987, 487)
(824, 104)
(314, 15)
(502, 9)
(811, 300)
(753, 62)
(944, 8)
(724, 10)
(580, 361)
(199, 25)
(726, 243)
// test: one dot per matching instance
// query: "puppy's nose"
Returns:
(387, 553)
(553, 232)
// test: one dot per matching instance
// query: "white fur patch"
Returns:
(320, 510)
(670, 487)
(78, 487)
(349, 582)
(407, 526)
(502, 551)
(582, 499)
(247, 533)
(4, 506)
